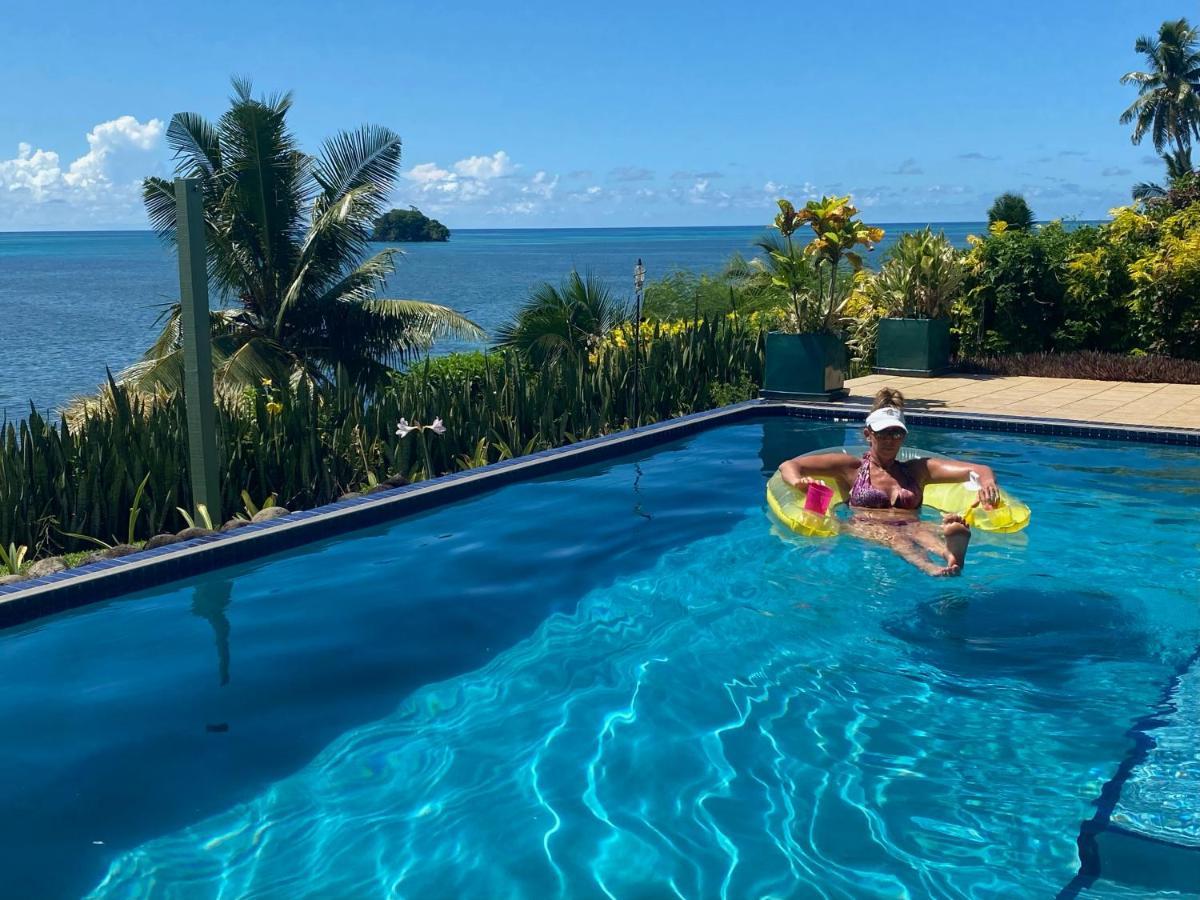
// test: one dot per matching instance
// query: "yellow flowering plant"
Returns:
(837, 233)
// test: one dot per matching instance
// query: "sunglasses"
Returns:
(892, 434)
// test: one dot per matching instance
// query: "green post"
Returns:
(197, 346)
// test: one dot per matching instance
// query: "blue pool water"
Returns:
(618, 681)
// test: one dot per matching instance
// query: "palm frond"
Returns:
(158, 196)
(368, 157)
(196, 145)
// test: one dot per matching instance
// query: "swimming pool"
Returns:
(617, 681)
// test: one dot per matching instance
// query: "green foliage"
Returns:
(249, 508)
(1131, 285)
(410, 224)
(1014, 292)
(741, 287)
(309, 446)
(287, 244)
(1181, 181)
(567, 321)
(12, 558)
(202, 519)
(920, 278)
(817, 288)
(1012, 210)
(1165, 300)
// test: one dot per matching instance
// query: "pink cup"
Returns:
(817, 497)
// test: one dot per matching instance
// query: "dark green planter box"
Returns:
(804, 367)
(919, 347)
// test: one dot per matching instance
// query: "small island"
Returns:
(408, 225)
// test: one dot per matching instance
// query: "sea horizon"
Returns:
(109, 287)
(453, 231)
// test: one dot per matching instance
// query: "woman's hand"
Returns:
(989, 491)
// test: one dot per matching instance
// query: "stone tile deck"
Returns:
(1110, 402)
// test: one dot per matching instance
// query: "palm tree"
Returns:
(565, 321)
(1179, 164)
(1012, 210)
(1168, 105)
(287, 242)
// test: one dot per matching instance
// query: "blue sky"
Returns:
(618, 114)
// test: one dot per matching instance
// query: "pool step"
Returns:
(1146, 832)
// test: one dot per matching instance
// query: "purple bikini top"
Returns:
(867, 496)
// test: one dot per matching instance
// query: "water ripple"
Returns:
(725, 724)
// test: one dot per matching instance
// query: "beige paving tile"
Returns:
(1130, 403)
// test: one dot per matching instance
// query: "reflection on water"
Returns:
(210, 600)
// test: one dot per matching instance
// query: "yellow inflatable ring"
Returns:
(787, 502)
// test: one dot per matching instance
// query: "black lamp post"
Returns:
(639, 282)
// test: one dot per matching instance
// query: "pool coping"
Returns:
(108, 578)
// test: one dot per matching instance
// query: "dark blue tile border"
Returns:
(109, 578)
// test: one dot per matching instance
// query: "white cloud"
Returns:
(427, 173)
(484, 167)
(99, 187)
(470, 179)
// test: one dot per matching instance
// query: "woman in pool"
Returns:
(885, 494)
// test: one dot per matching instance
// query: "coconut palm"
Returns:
(287, 242)
(1012, 210)
(1179, 164)
(565, 321)
(1168, 103)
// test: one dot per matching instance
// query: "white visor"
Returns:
(886, 417)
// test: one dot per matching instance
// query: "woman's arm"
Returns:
(943, 471)
(799, 470)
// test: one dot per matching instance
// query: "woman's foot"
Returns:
(958, 536)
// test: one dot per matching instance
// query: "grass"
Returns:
(1089, 364)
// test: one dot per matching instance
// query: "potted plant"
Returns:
(806, 358)
(916, 285)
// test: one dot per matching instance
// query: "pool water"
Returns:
(622, 681)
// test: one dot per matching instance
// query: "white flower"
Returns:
(437, 427)
(403, 428)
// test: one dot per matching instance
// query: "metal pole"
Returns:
(639, 278)
(197, 347)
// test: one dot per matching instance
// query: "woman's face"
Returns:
(885, 444)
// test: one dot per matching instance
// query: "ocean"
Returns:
(75, 303)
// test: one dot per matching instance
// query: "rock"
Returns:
(234, 524)
(194, 532)
(47, 566)
(90, 557)
(395, 481)
(349, 495)
(117, 551)
(9, 579)
(160, 540)
(269, 513)
(377, 489)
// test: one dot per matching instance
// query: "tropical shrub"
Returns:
(309, 445)
(1014, 290)
(920, 277)
(1165, 300)
(863, 309)
(742, 286)
(814, 280)
(568, 321)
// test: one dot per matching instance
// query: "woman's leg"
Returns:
(906, 543)
(951, 543)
